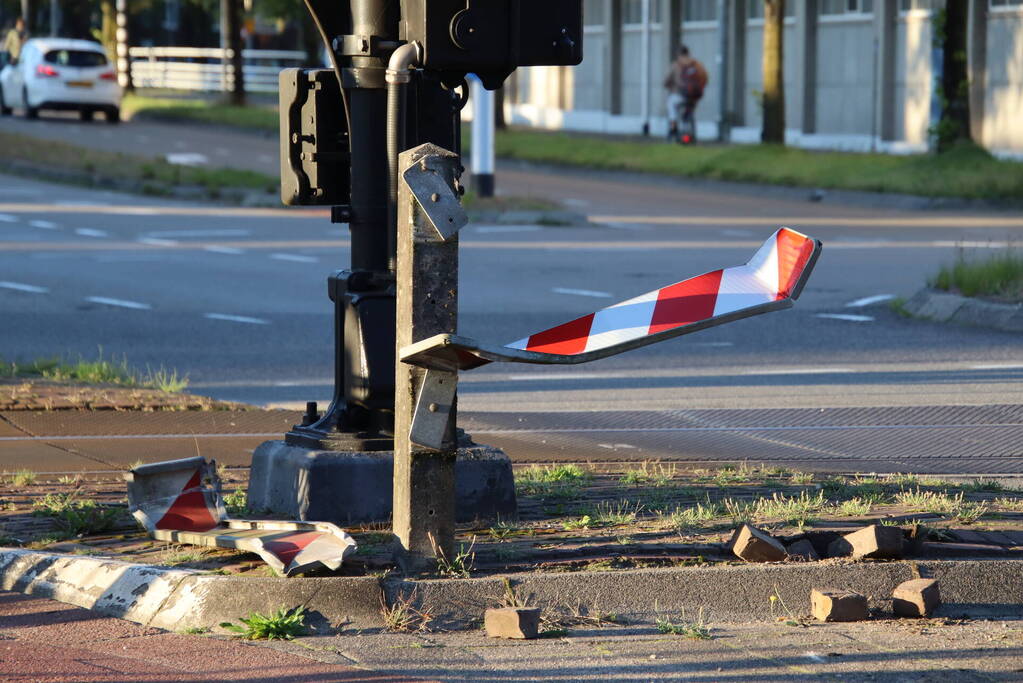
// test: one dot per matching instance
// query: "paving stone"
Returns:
(831, 604)
(872, 542)
(916, 598)
(754, 545)
(512, 622)
(803, 549)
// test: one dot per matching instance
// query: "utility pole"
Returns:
(123, 47)
(773, 129)
(483, 126)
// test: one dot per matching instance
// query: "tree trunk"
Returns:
(231, 42)
(955, 83)
(108, 28)
(773, 129)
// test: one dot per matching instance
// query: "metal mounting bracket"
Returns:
(438, 199)
(433, 409)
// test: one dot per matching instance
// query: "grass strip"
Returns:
(966, 171)
(99, 371)
(254, 117)
(92, 167)
(996, 275)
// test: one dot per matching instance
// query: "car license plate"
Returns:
(79, 84)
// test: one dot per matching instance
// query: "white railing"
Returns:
(205, 69)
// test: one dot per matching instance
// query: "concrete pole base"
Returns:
(357, 487)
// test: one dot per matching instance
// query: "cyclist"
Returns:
(685, 83)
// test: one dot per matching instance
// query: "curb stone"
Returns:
(176, 599)
(940, 306)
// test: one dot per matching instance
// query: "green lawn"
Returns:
(98, 167)
(963, 172)
(259, 117)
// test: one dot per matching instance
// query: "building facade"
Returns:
(859, 74)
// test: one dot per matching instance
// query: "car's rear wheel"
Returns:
(30, 111)
(113, 115)
(4, 109)
(86, 114)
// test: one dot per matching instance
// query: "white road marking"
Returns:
(867, 300)
(297, 258)
(8, 218)
(213, 248)
(786, 428)
(798, 371)
(199, 233)
(89, 232)
(236, 318)
(616, 446)
(157, 242)
(998, 366)
(507, 228)
(119, 303)
(965, 244)
(17, 286)
(45, 225)
(847, 316)
(556, 376)
(187, 159)
(582, 292)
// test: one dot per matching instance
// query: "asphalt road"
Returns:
(236, 299)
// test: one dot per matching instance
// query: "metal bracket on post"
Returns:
(433, 408)
(438, 200)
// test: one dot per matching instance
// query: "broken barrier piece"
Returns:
(180, 501)
(770, 281)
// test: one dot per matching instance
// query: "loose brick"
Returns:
(512, 622)
(875, 542)
(754, 545)
(830, 604)
(916, 598)
(803, 550)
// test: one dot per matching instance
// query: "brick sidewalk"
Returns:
(44, 640)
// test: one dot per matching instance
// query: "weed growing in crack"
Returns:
(405, 616)
(280, 625)
(694, 630)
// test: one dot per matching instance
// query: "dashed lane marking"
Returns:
(847, 316)
(297, 258)
(119, 303)
(44, 225)
(157, 242)
(19, 287)
(91, 232)
(236, 318)
(868, 300)
(199, 233)
(216, 249)
(8, 218)
(799, 371)
(582, 292)
(507, 228)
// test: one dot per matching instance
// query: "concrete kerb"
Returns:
(944, 307)
(175, 599)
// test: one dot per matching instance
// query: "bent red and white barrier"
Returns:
(180, 501)
(772, 280)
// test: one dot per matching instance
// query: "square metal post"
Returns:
(425, 438)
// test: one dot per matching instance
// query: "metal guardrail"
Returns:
(206, 68)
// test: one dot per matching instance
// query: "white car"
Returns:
(63, 74)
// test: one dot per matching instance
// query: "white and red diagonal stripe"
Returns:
(769, 276)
